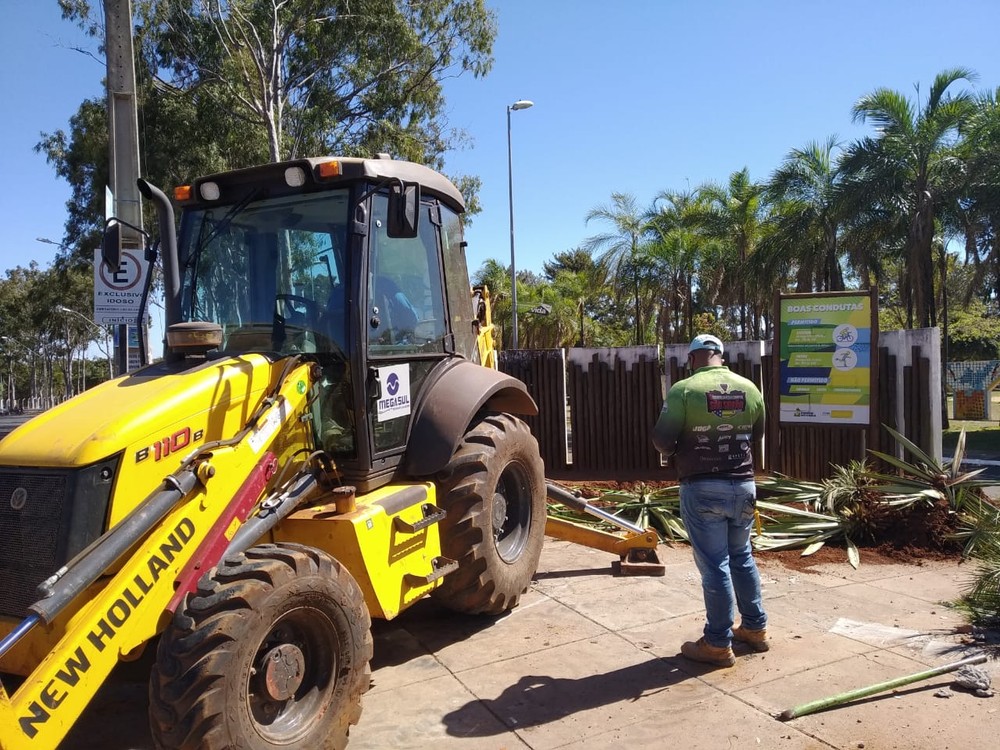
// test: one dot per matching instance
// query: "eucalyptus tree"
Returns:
(224, 84)
(34, 334)
(620, 250)
(806, 219)
(734, 215)
(15, 337)
(318, 76)
(908, 173)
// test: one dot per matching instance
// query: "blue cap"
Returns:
(705, 341)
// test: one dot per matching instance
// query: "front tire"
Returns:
(494, 492)
(272, 651)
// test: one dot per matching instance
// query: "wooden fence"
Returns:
(597, 407)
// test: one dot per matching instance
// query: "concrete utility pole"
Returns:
(123, 128)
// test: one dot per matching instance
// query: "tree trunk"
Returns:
(689, 303)
(921, 259)
(834, 274)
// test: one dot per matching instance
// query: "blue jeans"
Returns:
(718, 515)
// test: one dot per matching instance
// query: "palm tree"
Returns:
(619, 248)
(909, 171)
(978, 219)
(806, 220)
(549, 317)
(735, 216)
(676, 245)
(578, 281)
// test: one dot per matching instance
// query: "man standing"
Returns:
(709, 423)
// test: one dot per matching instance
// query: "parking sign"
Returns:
(118, 294)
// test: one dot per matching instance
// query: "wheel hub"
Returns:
(499, 513)
(284, 668)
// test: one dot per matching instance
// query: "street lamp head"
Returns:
(47, 241)
(522, 104)
(75, 314)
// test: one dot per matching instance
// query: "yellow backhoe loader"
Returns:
(325, 440)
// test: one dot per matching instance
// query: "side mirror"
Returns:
(111, 246)
(404, 210)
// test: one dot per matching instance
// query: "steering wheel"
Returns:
(308, 316)
(291, 311)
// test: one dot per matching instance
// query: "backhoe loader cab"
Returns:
(359, 265)
(325, 440)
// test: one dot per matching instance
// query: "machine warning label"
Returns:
(395, 398)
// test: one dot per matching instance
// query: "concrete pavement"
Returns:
(592, 661)
(589, 660)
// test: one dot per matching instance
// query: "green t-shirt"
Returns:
(709, 423)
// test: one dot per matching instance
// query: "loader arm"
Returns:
(637, 550)
(135, 605)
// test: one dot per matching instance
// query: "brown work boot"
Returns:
(703, 651)
(755, 639)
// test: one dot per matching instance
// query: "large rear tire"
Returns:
(494, 492)
(272, 651)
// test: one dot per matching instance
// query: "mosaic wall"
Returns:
(971, 383)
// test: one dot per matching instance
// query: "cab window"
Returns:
(406, 311)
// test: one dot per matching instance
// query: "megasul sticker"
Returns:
(395, 399)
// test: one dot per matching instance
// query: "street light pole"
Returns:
(519, 104)
(106, 348)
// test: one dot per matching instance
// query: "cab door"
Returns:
(406, 325)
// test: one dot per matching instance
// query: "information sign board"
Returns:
(825, 359)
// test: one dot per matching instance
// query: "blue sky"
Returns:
(636, 96)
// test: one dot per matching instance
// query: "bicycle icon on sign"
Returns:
(845, 335)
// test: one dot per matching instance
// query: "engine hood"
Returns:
(138, 411)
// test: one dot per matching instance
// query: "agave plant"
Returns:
(925, 477)
(979, 518)
(659, 509)
(854, 504)
(791, 518)
(781, 523)
(853, 495)
(928, 477)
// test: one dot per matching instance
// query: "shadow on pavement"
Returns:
(577, 573)
(538, 699)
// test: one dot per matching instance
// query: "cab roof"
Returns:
(350, 169)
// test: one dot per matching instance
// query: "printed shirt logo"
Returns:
(726, 403)
(18, 498)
